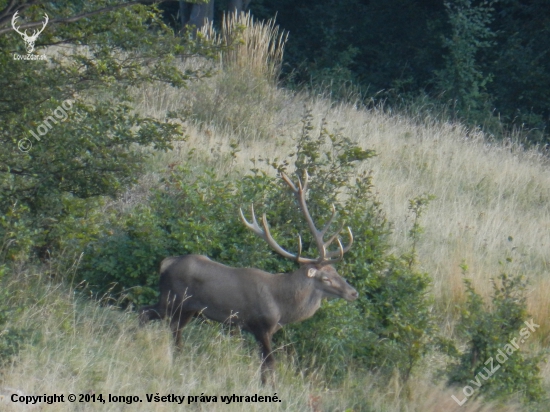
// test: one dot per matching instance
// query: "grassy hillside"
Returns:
(490, 213)
(491, 197)
(87, 348)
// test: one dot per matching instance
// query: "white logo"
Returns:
(30, 40)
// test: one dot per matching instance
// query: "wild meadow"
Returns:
(485, 213)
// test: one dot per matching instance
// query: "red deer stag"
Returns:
(258, 302)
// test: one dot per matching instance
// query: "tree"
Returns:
(462, 78)
(491, 59)
(237, 6)
(197, 13)
(521, 64)
(69, 133)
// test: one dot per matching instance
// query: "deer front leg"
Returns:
(267, 358)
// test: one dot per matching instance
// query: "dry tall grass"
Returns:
(253, 48)
(491, 201)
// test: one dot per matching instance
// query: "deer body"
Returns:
(257, 301)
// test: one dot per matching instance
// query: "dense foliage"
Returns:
(68, 132)
(488, 60)
(496, 336)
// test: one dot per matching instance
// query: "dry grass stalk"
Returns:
(252, 47)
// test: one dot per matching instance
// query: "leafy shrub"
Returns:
(171, 223)
(96, 142)
(388, 327)
(391, 326)
(491, 329)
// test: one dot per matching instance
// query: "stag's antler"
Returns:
(30, 40)
(324, 255)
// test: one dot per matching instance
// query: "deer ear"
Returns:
(311, 272)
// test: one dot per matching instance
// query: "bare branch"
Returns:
(7, 10)
(7, 13)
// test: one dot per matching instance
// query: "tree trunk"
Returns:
(200, 13)
(235, 6)
(183, 13)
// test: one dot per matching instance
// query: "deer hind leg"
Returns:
(177, 323)
(148, 313)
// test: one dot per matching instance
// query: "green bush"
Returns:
(93, 142)
(491, 332)
(390, 327)
(462, 78)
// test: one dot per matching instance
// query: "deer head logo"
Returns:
(30, 40)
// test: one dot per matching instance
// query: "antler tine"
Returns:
(303, 185)
(340, 253)
(317, 235)
(275, 246)
(265, 234)
(324, 230)
(342, 250)
(254, 225)
(299, 192)
(289, 182)
(329, 242)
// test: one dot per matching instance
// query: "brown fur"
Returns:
(259, 302)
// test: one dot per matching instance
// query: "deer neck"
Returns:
(297, 297)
